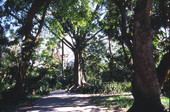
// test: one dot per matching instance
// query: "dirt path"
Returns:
(62, 101)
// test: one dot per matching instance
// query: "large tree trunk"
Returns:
(145, 86)
(79, 70)
(79, 78)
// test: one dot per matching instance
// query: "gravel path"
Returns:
(62, 101)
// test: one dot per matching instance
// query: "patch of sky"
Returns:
(2, 2)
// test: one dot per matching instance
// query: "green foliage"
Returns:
(67, 80)
(43, 81)
(97, 86)
(166, 102)
(161, 45)
(116, 88)
(79, 19)
(8, 68)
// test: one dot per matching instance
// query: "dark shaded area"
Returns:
(6, 106)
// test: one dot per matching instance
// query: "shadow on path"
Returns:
(62, 101)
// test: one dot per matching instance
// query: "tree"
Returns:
(124, 22)
(118, 28)
(80, 23)
(145, 86)
(26, 19)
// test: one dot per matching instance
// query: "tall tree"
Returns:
(80, 23)
(28, 21)
(145, 86)
(118, 28)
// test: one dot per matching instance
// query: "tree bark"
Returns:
(145, 86)
(79, 78)
(111, 62)
(163, 68)
(79, 75)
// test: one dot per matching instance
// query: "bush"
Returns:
(98, 86)
(116, 88)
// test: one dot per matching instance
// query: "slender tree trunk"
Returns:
(20, 80)
(76, 68)
(62, 59)
(145, 86)
(111, 65)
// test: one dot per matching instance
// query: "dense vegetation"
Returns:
(102, 36)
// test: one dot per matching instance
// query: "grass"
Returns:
(121, 102)
(118, 102)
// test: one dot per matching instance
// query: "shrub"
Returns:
(116, 88)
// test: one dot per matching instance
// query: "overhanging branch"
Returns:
(94, 35)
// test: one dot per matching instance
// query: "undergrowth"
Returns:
(122, 102)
